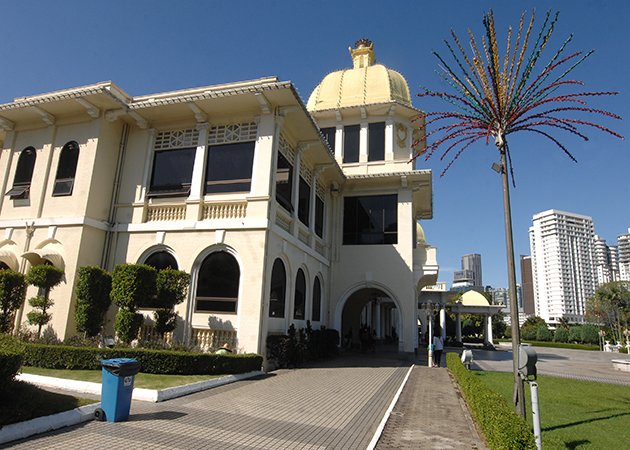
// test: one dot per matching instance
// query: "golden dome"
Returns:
(366, 83)
(420, 237)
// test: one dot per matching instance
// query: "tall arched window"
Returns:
(317, 301)
(278, 291)
(161, 260)
(299, 300)
(217, 283)
(66, 169)
(23, 174)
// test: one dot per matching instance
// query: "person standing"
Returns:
(438, 346)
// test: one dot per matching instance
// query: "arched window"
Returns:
(66, 169)
(317, 301)
(299, 300)
(161, 260)
(23, 174)
(278, 289)
(217, 283)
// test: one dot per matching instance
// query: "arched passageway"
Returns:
(370, 317)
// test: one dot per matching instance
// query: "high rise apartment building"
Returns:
(563, 268)
(472, 262)
(623, 248)
(606, 261)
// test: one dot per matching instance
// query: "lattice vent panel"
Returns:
(237, 132)
(286, 149)
(176, 139)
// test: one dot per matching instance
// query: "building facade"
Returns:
(606, 261)
(472, 262)
(623, 248)
(282, 212)
(563, 270)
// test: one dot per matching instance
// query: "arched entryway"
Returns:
(369, 316)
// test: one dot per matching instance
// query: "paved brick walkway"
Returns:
(338, 406)
(430, 415)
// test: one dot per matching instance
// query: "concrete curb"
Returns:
(28, 428)
(85, 413)
(148, 395)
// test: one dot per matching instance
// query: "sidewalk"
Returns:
(430, 414)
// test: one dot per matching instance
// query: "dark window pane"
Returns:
(329, 135)
(161, 260)
(351, 143)
(317, 300)
(284, 182)
(217, 283)
(299, 300)
(370, 220)
(68, 159)
(304, 202)
(229, 167)
(278, 291)
(319, 216)
(172, 171)
(25, 166)
(376, 144)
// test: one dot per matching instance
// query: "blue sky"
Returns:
(154, 46)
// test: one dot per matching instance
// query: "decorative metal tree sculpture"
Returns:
(495, 96)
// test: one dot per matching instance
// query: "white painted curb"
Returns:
(28, 428)
(147, 395)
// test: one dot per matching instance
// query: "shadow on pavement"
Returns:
(158, 415)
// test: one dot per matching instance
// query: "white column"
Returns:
(148, 164)
(197, 182)
(443, 323)
(311, 211)
(363, 142)
(264, 155)
(295, 194)
(339, 144)
(489, 327)
(389, 139)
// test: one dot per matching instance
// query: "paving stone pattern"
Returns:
(337, 407)
(430, 415)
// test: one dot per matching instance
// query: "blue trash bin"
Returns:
(116, 389)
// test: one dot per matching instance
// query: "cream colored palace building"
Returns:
(282, 212)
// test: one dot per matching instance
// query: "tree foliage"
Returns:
(12, 294)
(45, 277)
(611, 306)
(172, 288)
(132, 285)
(93, 299)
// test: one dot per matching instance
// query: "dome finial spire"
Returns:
(363, 54)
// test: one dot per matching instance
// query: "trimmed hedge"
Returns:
(11, 356)
(501, 426)
(152, 361)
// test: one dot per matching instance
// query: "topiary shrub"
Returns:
(590, 334)
(45, 277)
(12, 294)
(501, 426)
(575, 334)
(132, 285)
(93, 300)
(172, 287)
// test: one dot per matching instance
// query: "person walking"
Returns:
(438, 346)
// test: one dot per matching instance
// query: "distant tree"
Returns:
(575, 333)
(543, 333)
(12, 294)
(611, 306)
(529, 329)
(563, 322)
(590, 333)
(45, 277)
(498, 325)
(472, 324)
(561, 335)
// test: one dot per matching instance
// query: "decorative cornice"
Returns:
(48, 118)
(6, 124)
(200, 116)
(265, 106)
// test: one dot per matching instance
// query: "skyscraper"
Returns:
(606, 261)
(623, 246)
(563, 269)
(473, 262)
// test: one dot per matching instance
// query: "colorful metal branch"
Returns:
(496, 96)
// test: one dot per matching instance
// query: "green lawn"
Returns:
(142, 380)
(23, 401)
(581, 414)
